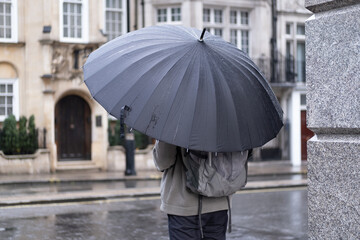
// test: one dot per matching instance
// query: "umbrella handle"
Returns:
(202, 35)
(122, 120)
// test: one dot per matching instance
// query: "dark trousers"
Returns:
(213, 224)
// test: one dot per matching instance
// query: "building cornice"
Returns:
(58, 43)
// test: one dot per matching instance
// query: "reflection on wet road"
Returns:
(44, 188)
(265, 214)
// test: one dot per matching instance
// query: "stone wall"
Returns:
(39, 162)
(143, 159)
(333, 108)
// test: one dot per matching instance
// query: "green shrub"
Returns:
(141, 140)
(32, 136)
(23, 136)
(10, 136)
(111, 135)
(19, 141)
(118, 140)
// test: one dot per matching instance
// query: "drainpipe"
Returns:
(136, 14)
(128, 15)
(274, 57)
(143, 13)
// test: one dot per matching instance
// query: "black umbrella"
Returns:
(184, 87)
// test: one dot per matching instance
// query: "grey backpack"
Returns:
(215, 174)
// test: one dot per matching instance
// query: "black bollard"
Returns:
(130, 154)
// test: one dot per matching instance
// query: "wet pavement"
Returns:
(18, 189)
(258, 214)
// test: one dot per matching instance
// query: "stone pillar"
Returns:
(333, 102)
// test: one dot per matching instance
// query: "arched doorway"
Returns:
(73, 129)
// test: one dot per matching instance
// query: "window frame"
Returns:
(84, 22)
(169, 14)
(14, 23)
(212, 16)
(238, 27)
(124, 17)
(15, 95)
(213, 26)
(293, 40)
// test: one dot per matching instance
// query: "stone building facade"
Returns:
(43, 45)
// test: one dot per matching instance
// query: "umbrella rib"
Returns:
(164, 59)
(228, 90)
(109, 49)
(131, 65)
(197, 95)
(271, 119)
(246, 77)
(172, 104)
(248, 66)
(246, 63)
(198, 89)
(264, 84)
(89, 65)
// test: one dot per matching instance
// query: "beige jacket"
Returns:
(176, 199)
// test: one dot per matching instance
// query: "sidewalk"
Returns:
(256, 169)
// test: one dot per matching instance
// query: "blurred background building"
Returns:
(43, 45)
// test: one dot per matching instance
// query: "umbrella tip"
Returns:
(202, 35)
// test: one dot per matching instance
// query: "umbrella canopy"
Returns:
(203, 94)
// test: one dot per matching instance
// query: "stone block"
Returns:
(333, 72)
(36, 163)
(326, 5)
(333, 187)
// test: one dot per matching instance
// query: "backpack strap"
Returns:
(229, 208)
(199, 213)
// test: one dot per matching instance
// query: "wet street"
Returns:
(261, 214)
(46, 188)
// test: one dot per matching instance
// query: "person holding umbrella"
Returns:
(186, 88)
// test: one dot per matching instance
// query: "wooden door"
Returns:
(306, 134)
(73, 129)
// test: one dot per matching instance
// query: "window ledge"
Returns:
(60, 43)
(16, 44)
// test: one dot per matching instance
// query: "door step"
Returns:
(84, 166)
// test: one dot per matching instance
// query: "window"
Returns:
(233, 17)
(300, 61)
(300, 29)
(175, 14)
(295, 52)
(115, 18)
(233, 37)
(8, 98)
(162, 15)
(245, 41)
(169, 15)
(74, 21)
(218, 16)
(239, 32)
(244, 18)
(288, 28)
(206, 15)
(8, 20)
(239, 17)
(218, 32)
(243, 35)
(213, 21)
